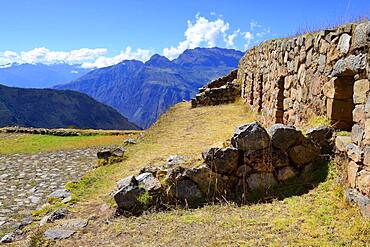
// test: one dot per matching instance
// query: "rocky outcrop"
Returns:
(255, 163)
(110, 156)
(221, 91)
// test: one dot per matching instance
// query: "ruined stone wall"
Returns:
(326, 73)
(220, 91)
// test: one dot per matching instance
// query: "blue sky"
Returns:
(103, 32)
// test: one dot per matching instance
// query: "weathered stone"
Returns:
(367, 156)
(174, 160)
(360, 90)
(58, 233)
(357, 134)
(354, 152)
(304, 153)
(222, 160)
(56, 215)
(8, 238)
(130, 141)
(261, 181)
(352, 170)
(283, 136)
(361, 36)
(127, 195)
(250, 137)
(151, 183)
(243, 171)
(354, 197)
(107, 153)
(187, 192)
(359, 114)
(279, 158)
(209, 182)
(286, 173)
(344, 43)
(349, 66)
(322, 137)
(363, 182)
(66, 230)
(259, 160)
(322, 62)
(341, 143)
(61, 193)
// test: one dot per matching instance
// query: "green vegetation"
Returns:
(44, 143)
(312, 212)
(317, 121)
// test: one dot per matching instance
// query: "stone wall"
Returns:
(255, 164)
(220, 91)
(326, 74)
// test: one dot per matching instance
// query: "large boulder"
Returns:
(259, 160)
(261, 181)
(361, 36)
(349, 66)
(128, 193)
(250, 137)
(304, 153)
(212, 184)
(322, 136)
(283, 137)
(222, 160)
(186, 192)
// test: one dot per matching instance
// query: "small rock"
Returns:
(58, 233)
(341, 143)
(175, 160)
(322, 137)
(349, 66)
(354, 152)
(130, 141)
(8, 238)
(250, 137)
(354, 197)
(56, 215)
(61, 193)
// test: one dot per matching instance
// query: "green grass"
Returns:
(44, 143)
(317, 217)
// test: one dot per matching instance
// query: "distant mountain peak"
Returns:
(158, 60)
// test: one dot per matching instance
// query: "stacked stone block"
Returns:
(221, 91)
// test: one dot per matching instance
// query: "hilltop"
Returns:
(48, 108)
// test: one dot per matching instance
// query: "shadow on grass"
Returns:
(296, 186)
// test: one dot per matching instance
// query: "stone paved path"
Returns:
(27, 179)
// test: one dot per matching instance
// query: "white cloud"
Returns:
(127, 54)
(201, 33)
(248, 36)
(254, 24)
(89, 58)
(230, 39)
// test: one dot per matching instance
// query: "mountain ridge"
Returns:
(143, 91)
(50, 108)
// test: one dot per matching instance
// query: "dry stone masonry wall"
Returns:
(256, 162)
(221, 91)
(326, 74)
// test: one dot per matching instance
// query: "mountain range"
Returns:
(40, 75)
(143, 91)
(49, 108)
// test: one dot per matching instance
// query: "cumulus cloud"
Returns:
(201, 33)
(127, 54)
(89, 58)
(46, 56)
